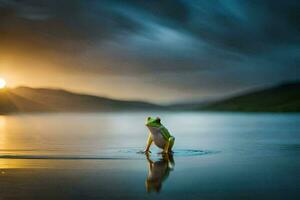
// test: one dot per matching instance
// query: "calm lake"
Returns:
(94, 156)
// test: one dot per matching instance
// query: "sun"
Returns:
(2, 83)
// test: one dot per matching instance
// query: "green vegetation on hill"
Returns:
(283, 98)
(25, 99)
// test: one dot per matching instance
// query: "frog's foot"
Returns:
(144, 152)
(166, 152)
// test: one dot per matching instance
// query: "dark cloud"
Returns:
(210, 47)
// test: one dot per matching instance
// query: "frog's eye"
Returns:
(148, 118)
(158, 119)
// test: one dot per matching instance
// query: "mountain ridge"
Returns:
(27, 99)
(280, 98)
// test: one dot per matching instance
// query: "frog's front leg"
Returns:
(169, 145)
(149, 142)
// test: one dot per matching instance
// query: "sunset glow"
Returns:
(2, 83)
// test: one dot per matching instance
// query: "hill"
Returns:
(25, 99)
(281, 98)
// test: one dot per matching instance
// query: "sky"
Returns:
(160, 51)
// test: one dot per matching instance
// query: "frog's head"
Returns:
(153, 122)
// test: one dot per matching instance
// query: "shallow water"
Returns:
(94, 156)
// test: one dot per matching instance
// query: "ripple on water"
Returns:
(175, 153)
(125, 153)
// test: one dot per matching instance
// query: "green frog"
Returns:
(159, 135)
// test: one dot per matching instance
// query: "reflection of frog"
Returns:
(158, 171)
(159, 135)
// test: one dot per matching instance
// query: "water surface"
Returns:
(93, 156)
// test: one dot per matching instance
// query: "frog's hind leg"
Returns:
(169, 145)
